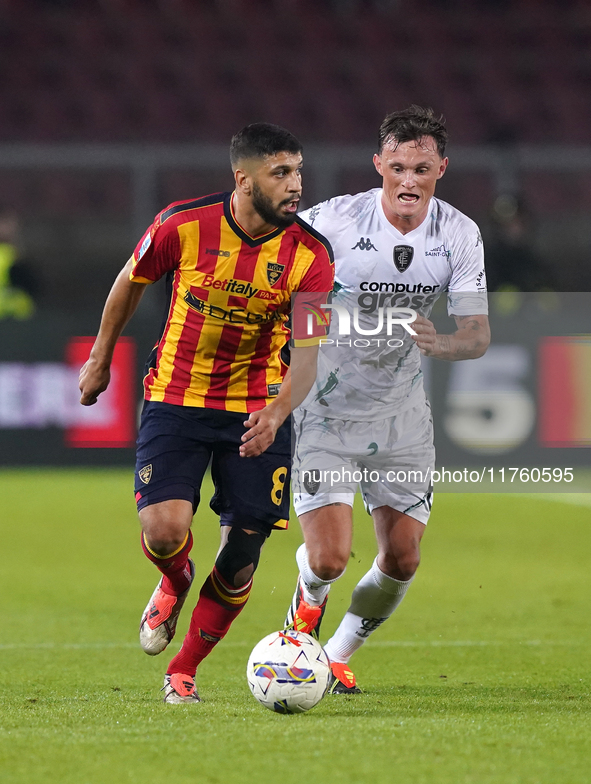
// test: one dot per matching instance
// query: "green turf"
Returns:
(482, 676)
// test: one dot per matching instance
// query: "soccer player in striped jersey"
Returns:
(216, 386)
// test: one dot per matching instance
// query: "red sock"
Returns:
(177, 577)
(219, 604)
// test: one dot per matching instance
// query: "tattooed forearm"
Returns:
(444, 343)
(469, 322)
(470, 341)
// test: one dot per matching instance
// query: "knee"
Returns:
(401, 566)
(328, 566)
(165, 538)
(165, 525)
(239, 558)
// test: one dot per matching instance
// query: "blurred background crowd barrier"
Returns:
(112, 109)
(526, 402)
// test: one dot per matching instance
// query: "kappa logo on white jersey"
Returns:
(441, 250)
(364, 244)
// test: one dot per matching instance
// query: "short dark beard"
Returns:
(264, 206)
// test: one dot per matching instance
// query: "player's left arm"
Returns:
(467, 290)
(469, 341)
(263, 425)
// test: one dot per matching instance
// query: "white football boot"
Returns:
(160, 617)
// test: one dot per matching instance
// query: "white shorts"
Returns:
(390, 461)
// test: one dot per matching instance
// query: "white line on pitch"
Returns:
(12, 646)
(243, 644)
(576, 499)
(466, 643)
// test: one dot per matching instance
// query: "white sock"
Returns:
(374, 599)
(314, 589)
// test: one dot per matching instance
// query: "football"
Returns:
(288, 672)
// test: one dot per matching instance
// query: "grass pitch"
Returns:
(482, 675)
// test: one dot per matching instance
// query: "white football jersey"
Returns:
(374, 372)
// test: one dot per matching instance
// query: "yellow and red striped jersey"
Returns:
(231, 298)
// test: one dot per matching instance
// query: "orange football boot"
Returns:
(342, 680)
(304, 617)
(179, 688)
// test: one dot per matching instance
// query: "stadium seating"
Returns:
(141, 71)
(149, 70)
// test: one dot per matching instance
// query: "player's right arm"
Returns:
(263, 425)
(311, 291)
(157, 253)
(120, 306)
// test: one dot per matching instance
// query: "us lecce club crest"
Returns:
(274, 272)
(145, 473)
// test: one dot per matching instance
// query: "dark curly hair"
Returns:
(260, 139)
(411, 125)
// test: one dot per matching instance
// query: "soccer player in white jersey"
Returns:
(367, 421)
